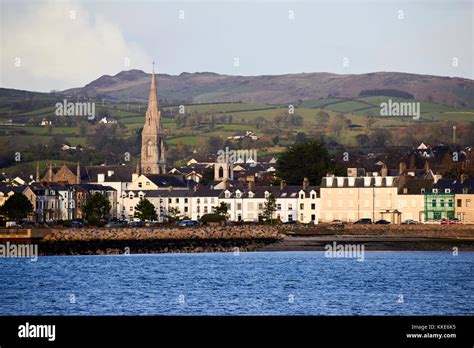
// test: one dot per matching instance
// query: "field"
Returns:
(230, 118)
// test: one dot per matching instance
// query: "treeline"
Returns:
(387, 93)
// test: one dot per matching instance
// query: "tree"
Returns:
(337, 124)
(308, 159)
(221, 210)
(145, 210)
(17, 207)
(269, 208)
(322, 118)
(97, 209)
(300, 137)
(173, 214)
(380, 137)
(362, 139)
(276, 140)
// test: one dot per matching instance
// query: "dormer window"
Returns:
(435, 190)
(405, 190)
(447, 190)
(267, 194)
(465, 190)
(238, 194)
(422, 190)
(227, 194)
(250, 194)
(313, 196)
(302, 196)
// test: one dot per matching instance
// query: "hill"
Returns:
(207, 87)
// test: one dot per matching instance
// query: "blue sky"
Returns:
(69, 43)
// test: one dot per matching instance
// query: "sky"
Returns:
(56, 45)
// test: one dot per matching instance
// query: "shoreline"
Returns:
(101, 241)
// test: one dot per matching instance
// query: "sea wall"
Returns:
(156, 240)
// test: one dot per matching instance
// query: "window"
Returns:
(250, 194)
(313, 217)
(433, 203)
(177, 200)
(279, 206)
(205, 209)
(169, 200)
(442, 203)
(185, 200)
(313, 196)
(313, 206)
(290, 217)
(459, 203)
(450, 203)
(239, 206)
(290, 206)
(139, 184)
(147, 183)
(422, 190)
(435, 190)
(260, 206)
(447, 190)
(198, 200)
(185, 209)
(302, 196)
(468, 203)
(227, 194)
(131, 209)
(237, 194)
(301, 206)
(465, 190)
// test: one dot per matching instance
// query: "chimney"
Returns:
(464, 177)
(426, 167)
(251, 185)
(384, 170)
(196, 187)
(402, 167)
(50, 172)
(305, 184)
(37, 172)
(226, 184)
(282, 185)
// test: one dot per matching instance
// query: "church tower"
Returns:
(153, 138)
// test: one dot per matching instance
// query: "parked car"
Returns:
(75, 223)
(27, 224)
(445, 221)
(364, 221)
(114, 223)
(11, 224)
(186, 223)
(337, 223)
(409, 222)
(382, 222)
(432, 222)
(136, 224)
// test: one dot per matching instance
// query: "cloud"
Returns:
(60, 45)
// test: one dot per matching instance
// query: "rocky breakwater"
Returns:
(89, 241)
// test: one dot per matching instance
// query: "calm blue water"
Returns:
(277, 283)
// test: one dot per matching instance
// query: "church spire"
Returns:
(153, 159)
